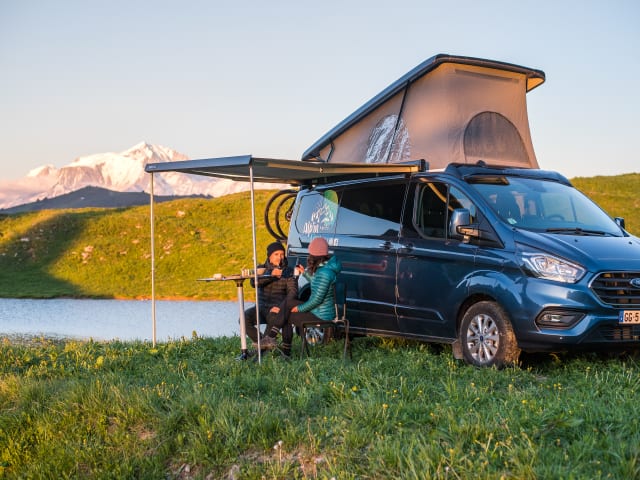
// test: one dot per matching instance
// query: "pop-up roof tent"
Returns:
(447, 109)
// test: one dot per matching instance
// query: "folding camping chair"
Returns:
(314, 331)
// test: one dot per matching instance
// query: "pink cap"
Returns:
(319, 247)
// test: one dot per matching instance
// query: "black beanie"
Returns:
(274, 247)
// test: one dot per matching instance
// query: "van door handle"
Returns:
(386, 245)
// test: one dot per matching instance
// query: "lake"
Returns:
(125, 320)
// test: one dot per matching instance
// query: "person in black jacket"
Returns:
(272, 290)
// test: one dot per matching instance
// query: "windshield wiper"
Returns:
(577, 231)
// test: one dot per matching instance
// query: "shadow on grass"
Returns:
(29, 255)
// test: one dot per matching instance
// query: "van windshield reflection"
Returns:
(548, 206)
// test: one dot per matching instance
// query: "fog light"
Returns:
(558, 318)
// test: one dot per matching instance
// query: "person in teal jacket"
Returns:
(322, 271)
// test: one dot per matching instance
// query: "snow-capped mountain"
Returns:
(123, 172)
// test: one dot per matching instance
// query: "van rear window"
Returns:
(371, 210)
(317, 213)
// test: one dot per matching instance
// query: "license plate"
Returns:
(629, 316)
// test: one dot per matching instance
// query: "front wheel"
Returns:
(486, 336)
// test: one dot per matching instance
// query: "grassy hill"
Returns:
(106, 252)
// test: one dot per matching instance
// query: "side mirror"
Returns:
(461, 228)
(459, 217)
(620, 222)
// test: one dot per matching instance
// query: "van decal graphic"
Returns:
(323, 217)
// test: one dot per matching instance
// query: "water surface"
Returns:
(125, 320)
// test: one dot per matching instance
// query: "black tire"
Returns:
(486, 336)
(277, 213)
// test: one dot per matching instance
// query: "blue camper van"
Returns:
(484, 250)
(492, 260)
(431, 196)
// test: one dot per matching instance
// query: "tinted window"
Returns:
(431, 211)
(371, 210)
(434, 205)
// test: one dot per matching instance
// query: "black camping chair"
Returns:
(313, 332)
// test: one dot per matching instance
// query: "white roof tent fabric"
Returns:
(252, 169)
(448, 109)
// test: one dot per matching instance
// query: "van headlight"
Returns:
(543, 265)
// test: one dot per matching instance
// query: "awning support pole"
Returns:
(255, 261)
(153, 269)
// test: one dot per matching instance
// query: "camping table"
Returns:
(239, 281)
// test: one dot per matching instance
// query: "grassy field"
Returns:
(105, 253)
(188, 409)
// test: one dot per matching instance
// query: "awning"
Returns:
(245, 168)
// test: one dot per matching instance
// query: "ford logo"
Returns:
(635, 282)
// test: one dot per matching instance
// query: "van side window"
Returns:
(457, 199)
(434, 206)
(317, 213)
(371, 210)
(431, 211)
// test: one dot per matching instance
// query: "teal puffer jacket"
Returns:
(322, 300)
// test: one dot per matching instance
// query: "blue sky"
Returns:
(216, 78)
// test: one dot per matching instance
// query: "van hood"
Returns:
(596, 253)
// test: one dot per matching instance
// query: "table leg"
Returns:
(243, 328)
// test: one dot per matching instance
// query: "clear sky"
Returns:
(268, 78)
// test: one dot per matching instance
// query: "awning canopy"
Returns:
(245, 168)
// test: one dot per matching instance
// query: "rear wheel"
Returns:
(486, 336)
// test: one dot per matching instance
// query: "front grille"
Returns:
(614, 288)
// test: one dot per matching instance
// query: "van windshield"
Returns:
(541, 205)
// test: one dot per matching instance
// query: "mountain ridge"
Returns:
(94, 197)
(116, 172)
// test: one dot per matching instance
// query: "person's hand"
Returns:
(294, 309)
(299, 270)
(275, 309)
(276, 272)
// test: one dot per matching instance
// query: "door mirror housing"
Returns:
(460, 217)
(461, 228)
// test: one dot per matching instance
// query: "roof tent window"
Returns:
(490, 136)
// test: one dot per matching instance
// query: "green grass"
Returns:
(106, 253)
(188, 409)
(618, 195)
